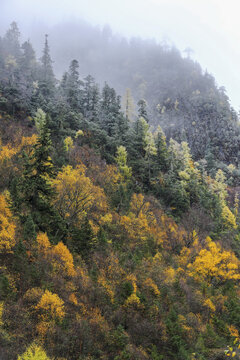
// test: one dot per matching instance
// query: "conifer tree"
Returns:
(162, 152)
(110, 110)
(11, 41)
(84, 240)
(32, 193)
(47, 79)
(73, 86)
(142, 109)
(90, 99)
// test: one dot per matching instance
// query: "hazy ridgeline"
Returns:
(183, 99)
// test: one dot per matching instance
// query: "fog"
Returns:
(209, 27)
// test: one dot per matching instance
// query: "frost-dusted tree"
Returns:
(90, 99)
(11, 41)
(142, 109)
(141, 128)
(137, 148)
(28, 68)
(28, 58)
(109, 110)
(73, 84)
(47, 80)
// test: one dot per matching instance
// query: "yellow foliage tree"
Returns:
(149, 283)
(43, 242)
(7, 226)
(1, 313)
(68, 143)
(50, 307)
(59, 255)
(139, 220)
(64, 259)
(214, 262)
(34, 352)
(228, 218)
(77, 195)
(8, 151)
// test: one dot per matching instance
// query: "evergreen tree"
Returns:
(83, 239)
(73, 84)
(29, 231)
(11, 41)
(162, 152)
(142, 109)
(90, 99)
(32, 194)
(110, 110)
(47, 80)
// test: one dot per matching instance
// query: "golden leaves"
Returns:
(76, 195)
(50, 307)
(214, 262)
(7, 226)
(64, 259)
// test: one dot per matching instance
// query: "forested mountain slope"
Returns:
(182, 98)
(114, 242)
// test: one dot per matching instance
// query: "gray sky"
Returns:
(210, 27)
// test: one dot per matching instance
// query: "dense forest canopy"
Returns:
(119, 217)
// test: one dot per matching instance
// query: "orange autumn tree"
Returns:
(77, 195)
(7, 226)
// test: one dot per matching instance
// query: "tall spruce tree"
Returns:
(90, 99)
(142, 109)
(110, 110)
(11, 41)
(32, 194)
(47, 80)
(73, 84)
